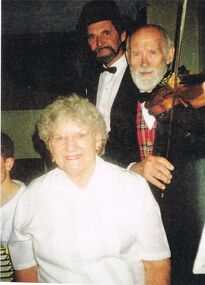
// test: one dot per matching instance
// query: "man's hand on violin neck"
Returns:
(155, 169)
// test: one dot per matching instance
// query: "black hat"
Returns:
(96, 11)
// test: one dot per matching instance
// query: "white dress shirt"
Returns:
(108, 86)
(199, 263)
(149, 119)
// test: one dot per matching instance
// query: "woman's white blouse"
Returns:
(96, 235)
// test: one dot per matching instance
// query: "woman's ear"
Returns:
(98, 143)
(170, 55)
(49, 147)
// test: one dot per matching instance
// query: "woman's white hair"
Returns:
(75, 107)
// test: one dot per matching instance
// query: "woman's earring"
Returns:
(52, 158)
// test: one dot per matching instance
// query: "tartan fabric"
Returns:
(145, 136)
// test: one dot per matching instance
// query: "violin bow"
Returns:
(176, 67)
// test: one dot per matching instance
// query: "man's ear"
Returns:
(170, 55)
(9, 163)
(123, 36)
(128, 51)
(127, 57)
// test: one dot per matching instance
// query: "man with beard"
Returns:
(112, 89)
(150, 50)
(149, 53)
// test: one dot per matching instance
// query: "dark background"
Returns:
(42, 54)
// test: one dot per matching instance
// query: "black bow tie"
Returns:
(111, 69)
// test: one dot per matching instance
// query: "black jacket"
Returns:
(122, 145)
(183, 204)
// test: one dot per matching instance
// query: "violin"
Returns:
(190, 92)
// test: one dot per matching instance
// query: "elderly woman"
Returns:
(86, 221)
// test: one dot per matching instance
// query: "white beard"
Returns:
(147, 83)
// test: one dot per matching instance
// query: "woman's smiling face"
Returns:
(73, 147)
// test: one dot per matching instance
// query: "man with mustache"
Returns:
(112, 90)
(150, 50)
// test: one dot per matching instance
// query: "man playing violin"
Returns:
(150, 51)
(148, 55)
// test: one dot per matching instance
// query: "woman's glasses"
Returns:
(79, 137)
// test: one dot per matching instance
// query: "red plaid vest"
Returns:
(145, 136)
